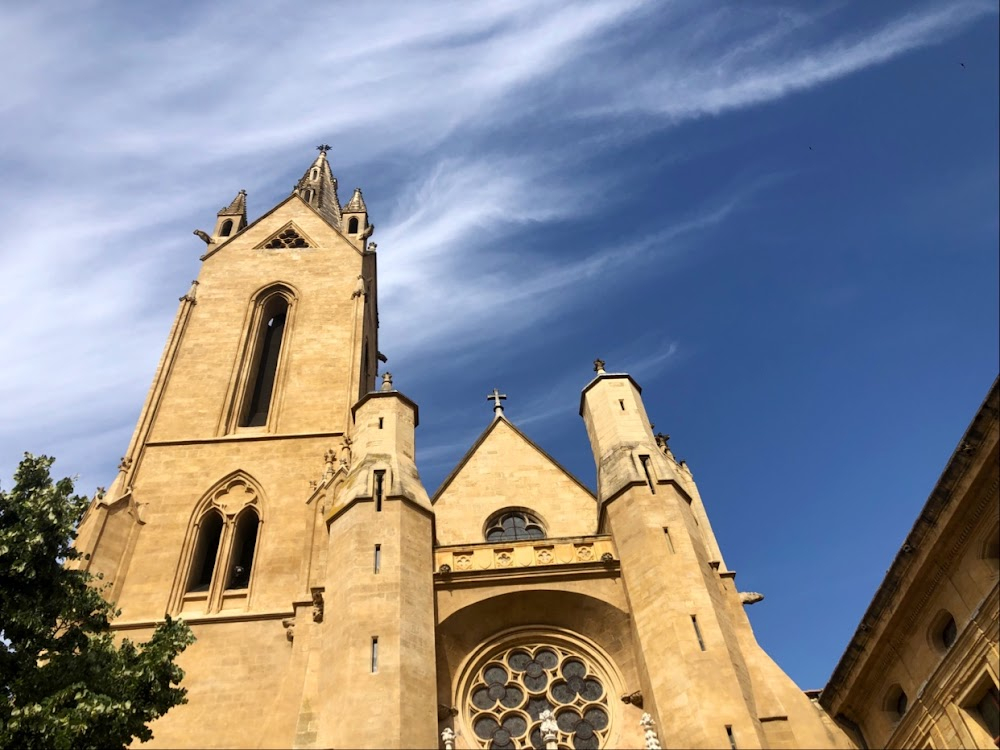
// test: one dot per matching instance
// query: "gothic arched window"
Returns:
(205, 552)
(227, 227)
(513, 526)
(352, 225)
(261, 381)
(509, 693)
(244, 545)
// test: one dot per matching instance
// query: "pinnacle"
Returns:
(357, 203)
(238, 207)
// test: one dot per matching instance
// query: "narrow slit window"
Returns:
(670, 542)
(374, 654)
(378, 558)
(266, 366)
(352, 225)
(381, 421)
(621, 403)
(697, 632)
(206, 550)
(732, 739)
(379, 482)
(644, 460)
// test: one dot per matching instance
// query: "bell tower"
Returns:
(219, 511)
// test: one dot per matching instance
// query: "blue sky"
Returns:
(781, 219)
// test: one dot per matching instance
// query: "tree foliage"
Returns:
(64, 681)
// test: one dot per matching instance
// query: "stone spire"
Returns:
(318, 188)
(356, 204)
(231, 219)
(238, 207)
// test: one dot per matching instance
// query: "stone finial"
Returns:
(387, 381)
(372, 247)
(496, 397)
(448, 738)
(549, 729)
(125, 464)
(750, 597)
(599, 366)
(649, 727)
(323, 148)
(190, 296)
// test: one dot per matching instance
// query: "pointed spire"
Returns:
(318, 188)
(238, 207)
(356, 204)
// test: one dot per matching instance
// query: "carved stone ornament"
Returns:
(544, 557)
(750, 597)
(234, 497)
(125, 464)
(649, 727)
(634, 699)
(289, 624)
(463, 561)
(504, 559)
(446, 568)
(607, 557)
(317, 597)
(549, 727)
(599, 366)
(585, 552)
(448, 738)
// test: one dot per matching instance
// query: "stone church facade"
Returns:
(270, 497)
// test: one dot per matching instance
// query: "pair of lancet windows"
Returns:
(210, 537)
(223, 544)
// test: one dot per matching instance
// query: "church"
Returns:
(270, 497)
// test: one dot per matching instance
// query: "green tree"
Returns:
(64, 682)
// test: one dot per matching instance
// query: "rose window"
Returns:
(511, 691)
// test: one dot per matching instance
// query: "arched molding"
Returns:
(230, 498)
(245, 365)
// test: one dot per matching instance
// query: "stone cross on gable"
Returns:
(496, 397)
(323, 148)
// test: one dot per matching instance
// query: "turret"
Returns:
(355, 219)
(379, 650)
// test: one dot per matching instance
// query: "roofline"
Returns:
(479, 441)
(213, 250)
(382, 394)
(940, 497)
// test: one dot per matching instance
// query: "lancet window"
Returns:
(217, 563)
(268, 335)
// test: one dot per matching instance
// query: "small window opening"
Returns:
(207, 549)
(244, 544)
(307, 195)
(379, 480)
(381, 421)
(621, 403)
(732, 739)
(378, 558)
(644, 460)
(267, 364)
(227, 227)
(374, 654)
(670, 543)
(313, 174)
(352, 225)
(697, 632)
(949, 633)
(902, 703)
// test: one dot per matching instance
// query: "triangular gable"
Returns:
(214, 249)
(506, 469)
(286, 238)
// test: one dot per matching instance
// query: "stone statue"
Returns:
(652, 741)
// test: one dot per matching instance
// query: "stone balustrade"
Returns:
(531, 553)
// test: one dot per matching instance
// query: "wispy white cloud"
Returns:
(120, 134)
